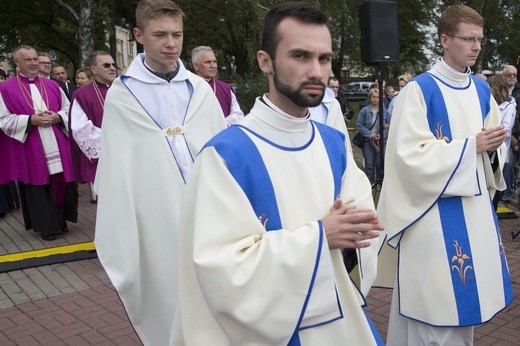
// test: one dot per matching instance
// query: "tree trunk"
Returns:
(85, 31)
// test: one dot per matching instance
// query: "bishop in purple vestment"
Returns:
(86, 114)
(33, 115)
(205, 65)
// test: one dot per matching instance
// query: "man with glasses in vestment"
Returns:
(443, 165)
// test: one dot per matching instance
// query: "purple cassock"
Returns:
(92, 105)
(223, 92)
(27, 159)
(47, 200)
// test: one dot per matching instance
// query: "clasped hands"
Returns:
(490, 139)
(347, 226)
(45, 119)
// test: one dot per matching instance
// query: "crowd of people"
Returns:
(220, 228)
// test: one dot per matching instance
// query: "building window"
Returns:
(130, 51)
(120, 58)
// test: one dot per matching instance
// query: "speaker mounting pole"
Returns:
(380, 172)
(379, 43)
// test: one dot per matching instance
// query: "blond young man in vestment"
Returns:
(157, 117)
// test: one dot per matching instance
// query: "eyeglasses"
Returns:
(107, 65)
(44, 62)
(471, 39)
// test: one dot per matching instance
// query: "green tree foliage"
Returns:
(48, 25)
(501, 18)
(233, 29)
(230, 27)
(415, 18)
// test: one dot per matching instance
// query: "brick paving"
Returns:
(74, 303)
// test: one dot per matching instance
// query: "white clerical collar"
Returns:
(281, 112)
(30, 79)
(450, 75)
(107, 85)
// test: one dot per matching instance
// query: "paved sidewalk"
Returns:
(74, 303)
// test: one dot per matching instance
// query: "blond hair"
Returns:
(148, 10)
(453, 15)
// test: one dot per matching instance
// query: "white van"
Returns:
(357, 91)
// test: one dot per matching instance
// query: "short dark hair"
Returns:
(45, 54)
(334, 79)
(300, 11)
(94, 55)
(56, 66)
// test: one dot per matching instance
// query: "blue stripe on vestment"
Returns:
(247, 167)
(506, 277)
(483, 95)
(460, 259)
(379, 341)
(335, 145)
(451, 212)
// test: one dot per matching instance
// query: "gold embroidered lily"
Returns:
(460, 266)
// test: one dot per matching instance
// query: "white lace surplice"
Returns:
(86, 135)
(88, 138)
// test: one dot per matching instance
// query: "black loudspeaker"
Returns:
(379, 34)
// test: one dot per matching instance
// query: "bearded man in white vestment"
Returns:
(269, 206)
(157, 118)
(442, 167)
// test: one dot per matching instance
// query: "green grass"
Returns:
(352, 122)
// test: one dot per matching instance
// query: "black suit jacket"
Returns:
(68, 88)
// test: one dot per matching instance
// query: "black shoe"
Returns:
(49, 237)
(93, 201)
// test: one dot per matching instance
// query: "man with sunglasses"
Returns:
(86, 116)
(442, 168)
(157, 117)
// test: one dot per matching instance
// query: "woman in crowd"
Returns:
(368, 125)
(83, 77)
(507, 105)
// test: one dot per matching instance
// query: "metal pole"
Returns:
(380, 172)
